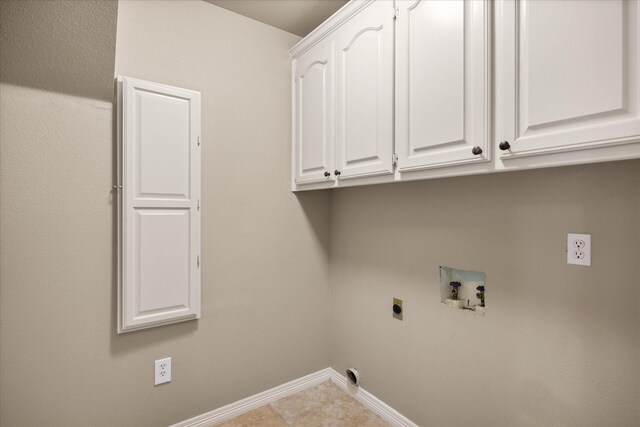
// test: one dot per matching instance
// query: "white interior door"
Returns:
(365, 92)
(442, 83)
(159, 129)
(569, 75)
(313, 117)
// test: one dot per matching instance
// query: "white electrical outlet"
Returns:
(579, 249)
(163, 371)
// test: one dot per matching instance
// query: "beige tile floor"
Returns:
(325, 405)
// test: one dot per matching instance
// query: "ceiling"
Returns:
(295, 16)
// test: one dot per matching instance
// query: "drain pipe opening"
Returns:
(353, 376)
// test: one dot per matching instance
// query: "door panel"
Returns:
(159, 222)
(569, 75)
(365, 93)
(161, 248)
(162, 150)
(313, 126)
(360, 79)
(442, 83)
(548, 69)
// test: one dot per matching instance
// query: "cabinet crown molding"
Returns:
(329, 26)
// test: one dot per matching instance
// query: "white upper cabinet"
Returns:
(159, 204)
(364, 78)
(313, 115)
(442, 83)
(415, 89)
(568, 77)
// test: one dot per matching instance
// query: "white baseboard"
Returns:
(376, 405)
(240, 407)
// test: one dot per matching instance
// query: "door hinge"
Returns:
(198, 140)
(198, 204)
(396, 12)
(394, 159)
(198, 260)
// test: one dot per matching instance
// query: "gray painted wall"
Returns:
(265, 292)
(559, 345)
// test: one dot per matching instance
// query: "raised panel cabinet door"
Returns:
(443, 80)
(313, 115)
(159, 204)
(569, 75)
(364, 47)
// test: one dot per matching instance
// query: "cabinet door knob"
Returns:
(476, 150)
(504, 145)
(336, 172)
(327, 174)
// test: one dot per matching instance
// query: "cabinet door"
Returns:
(313, 115)
(364, 47)
(569, 75)
(442, 83)
(159, 204)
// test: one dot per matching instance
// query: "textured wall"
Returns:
(60, 46)
(560, 344)
(265, 291)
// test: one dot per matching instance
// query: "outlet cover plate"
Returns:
(579, 249)
(163, 371)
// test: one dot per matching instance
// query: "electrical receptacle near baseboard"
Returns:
(579, 249)
(397, 308)
(163, 371)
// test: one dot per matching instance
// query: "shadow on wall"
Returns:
(60, 46)
(317, 208)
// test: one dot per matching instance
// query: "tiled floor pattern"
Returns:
(325, 405)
